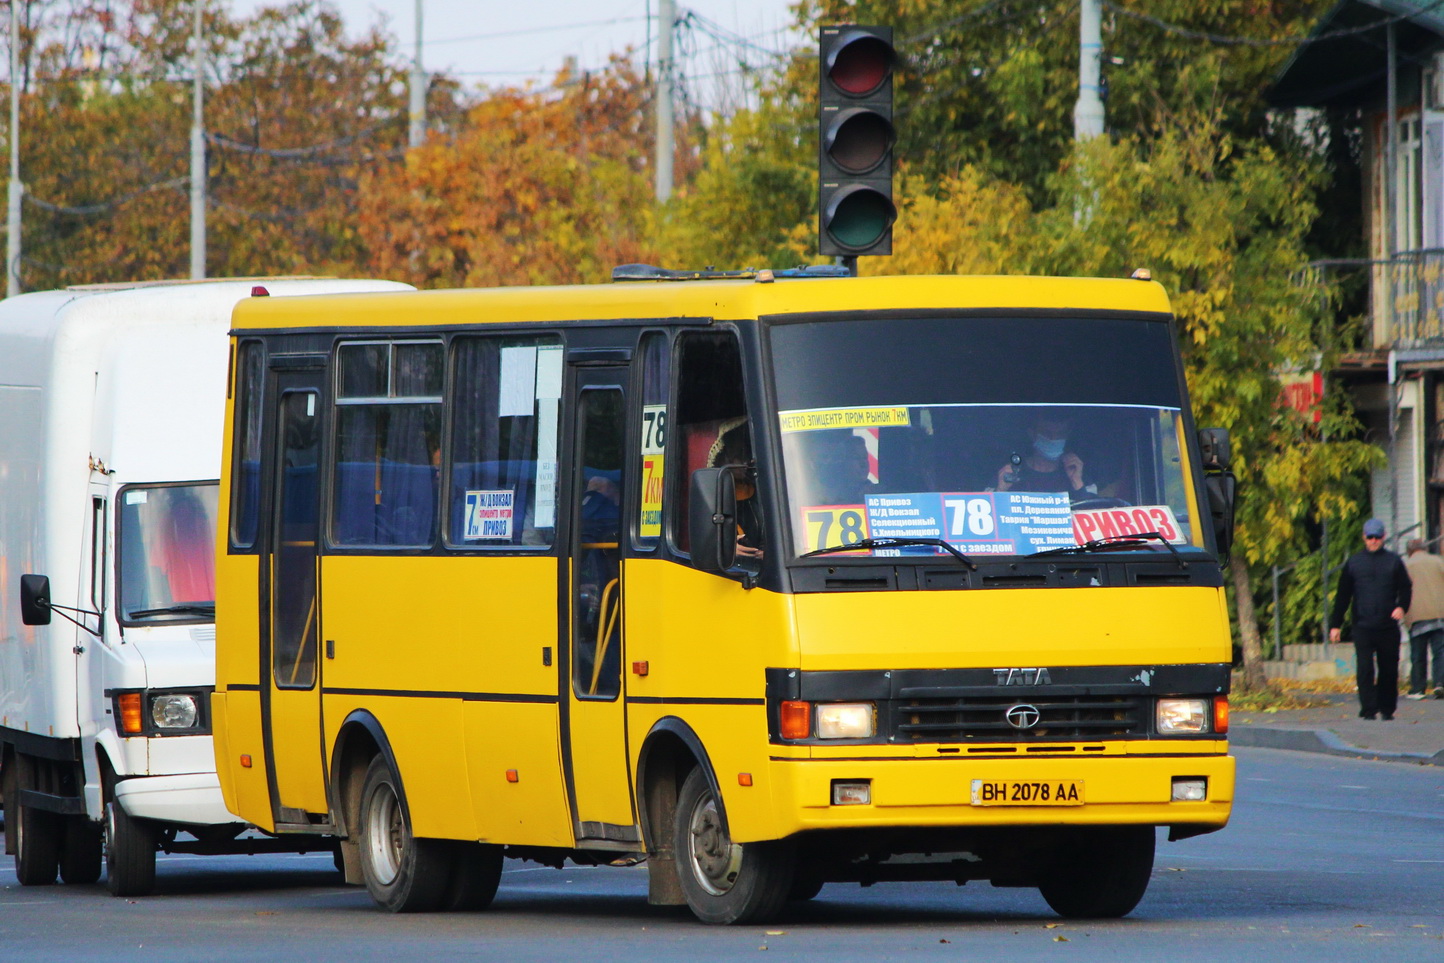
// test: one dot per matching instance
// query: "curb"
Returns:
(1322, 740)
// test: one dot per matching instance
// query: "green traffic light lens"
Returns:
(860, 219)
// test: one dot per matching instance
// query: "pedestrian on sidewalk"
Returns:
(1377, 583)
(1425, 620)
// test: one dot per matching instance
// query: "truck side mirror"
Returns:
(1213, 443)
(712, 520)
(35, 600)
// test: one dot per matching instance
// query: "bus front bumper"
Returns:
(961, 792)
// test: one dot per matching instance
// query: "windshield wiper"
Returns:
(894, 543)
(179, 608)
(1115, 542)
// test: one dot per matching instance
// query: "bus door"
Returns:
(292, 706)
(595, 748)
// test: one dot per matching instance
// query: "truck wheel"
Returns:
(80, 851)
(475, 873)
(37, 832)
(723, 881)
(403, 874)
(129, 853)
(1100, 873)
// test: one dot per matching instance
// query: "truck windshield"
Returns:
(166, 535)
(1002, 436)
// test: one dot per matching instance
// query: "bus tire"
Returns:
(725, 882)
(403, 874)
(80, 851)
(129, 853)
(36, 832)
(804, 888)
(1100, 873)
(475, 875)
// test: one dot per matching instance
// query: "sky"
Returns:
(482, 42)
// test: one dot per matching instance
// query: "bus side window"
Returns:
(656, 367)
(709, 402)
(246, 456)
(388, 443)
(505, 409)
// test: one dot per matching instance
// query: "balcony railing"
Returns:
(1408, 298)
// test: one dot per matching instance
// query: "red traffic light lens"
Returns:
(858, 140)
(858, 66)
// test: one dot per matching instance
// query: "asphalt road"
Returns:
(1326, 859)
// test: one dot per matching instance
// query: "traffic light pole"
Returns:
(666, 15)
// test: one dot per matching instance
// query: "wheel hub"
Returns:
(715, 858)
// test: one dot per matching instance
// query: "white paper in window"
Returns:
(549, 372)
(518, 382)
(545, 514)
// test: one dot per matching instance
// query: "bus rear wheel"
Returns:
(403, 874)
(1100, 873)
(723, 881)
(475, 873)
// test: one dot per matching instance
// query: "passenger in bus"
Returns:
(1049, 464)
(845, 471)
(733, 450)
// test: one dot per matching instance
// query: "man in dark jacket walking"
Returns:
(1377, 582)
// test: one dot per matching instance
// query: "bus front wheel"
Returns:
(723, 881)
(1100, 873)
(403, 874)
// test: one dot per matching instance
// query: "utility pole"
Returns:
(12, 220)
(198, 153)
(1088, 113)
(417, 132)
(666, 15)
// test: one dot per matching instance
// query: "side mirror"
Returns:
(35, 600)
(1221, 488)
(1213, 443)
(712, 520)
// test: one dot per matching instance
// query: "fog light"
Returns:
(1190, 789)
(1183, 715)
(851, 793)
(845, 720)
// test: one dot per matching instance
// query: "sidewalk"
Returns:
(1416, 735)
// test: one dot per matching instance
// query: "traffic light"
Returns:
(855, 210)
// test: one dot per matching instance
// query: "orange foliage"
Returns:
(546, 187)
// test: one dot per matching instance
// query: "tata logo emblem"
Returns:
(1021, 677)
(1023, 716)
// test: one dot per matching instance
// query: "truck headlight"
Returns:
(845, 720)
(1178, 716)
(174, 711)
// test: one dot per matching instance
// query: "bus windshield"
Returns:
(167, 553)
(1000, 436)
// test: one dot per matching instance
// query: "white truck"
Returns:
(111, 406)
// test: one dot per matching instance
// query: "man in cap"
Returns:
(1377, 583)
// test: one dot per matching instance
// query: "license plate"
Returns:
(1013, 792)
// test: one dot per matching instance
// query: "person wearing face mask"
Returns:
(1049, 465)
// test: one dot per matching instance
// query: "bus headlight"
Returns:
(845, 720)
(1179, 716)
(174, 711)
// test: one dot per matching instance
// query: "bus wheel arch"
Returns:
(359, 740)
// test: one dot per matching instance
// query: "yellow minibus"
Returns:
(772, 579)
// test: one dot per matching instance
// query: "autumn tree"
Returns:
(294, 110)
(534, 187)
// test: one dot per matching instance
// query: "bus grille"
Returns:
(985, 719)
